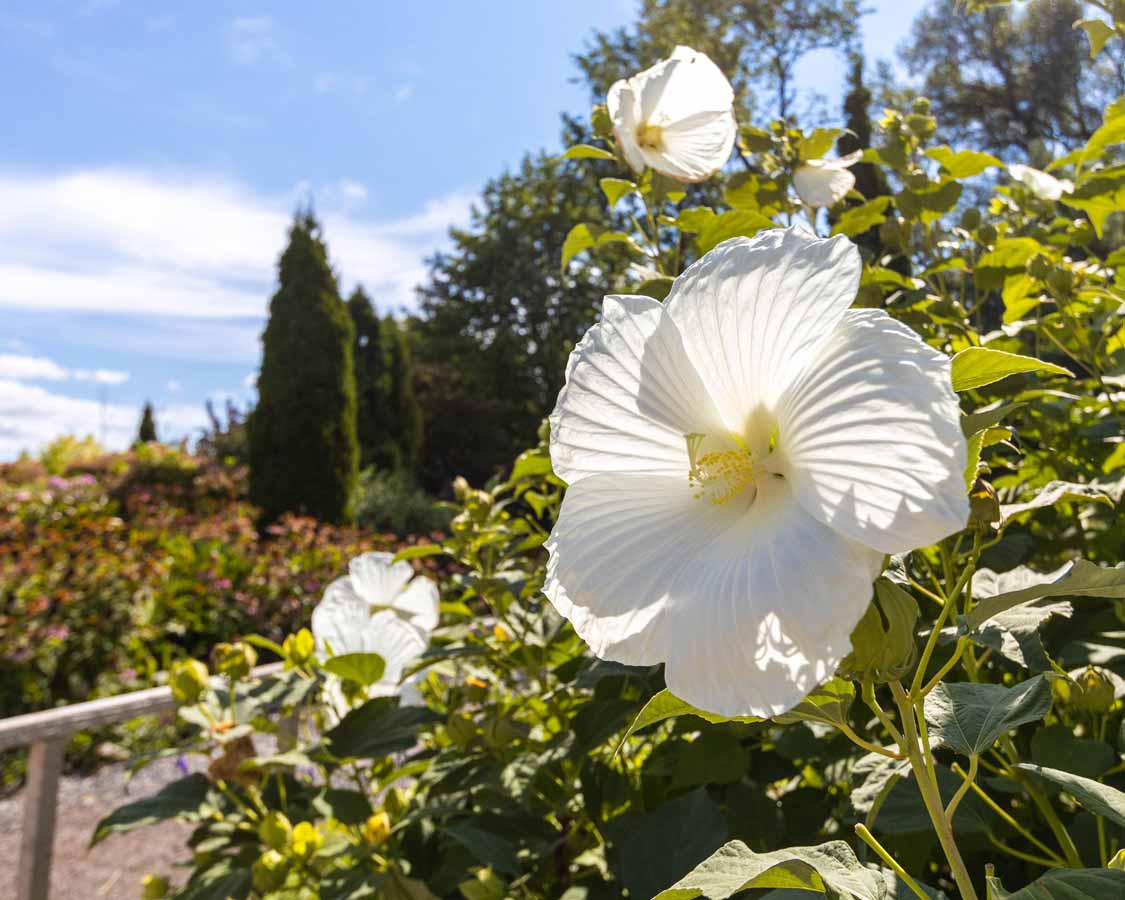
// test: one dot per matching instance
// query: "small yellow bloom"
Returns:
(500, 634)
(377, 828)
(306, 840)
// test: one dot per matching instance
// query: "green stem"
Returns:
(1066, 842)
(868, 838)
(970, 779)
(931, 796)
(1026, 857)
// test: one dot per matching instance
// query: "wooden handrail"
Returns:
(46, 733)
(63, 721)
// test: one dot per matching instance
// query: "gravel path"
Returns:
(113, 869)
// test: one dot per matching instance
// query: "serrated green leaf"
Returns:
(616, 188)
(736, 223)
(180, 798)
(975, 367)
(586, 151)
(1078, 579)
(970, 717)
(963, 163)
(363, 668)
(828, 705)
(734, 868)
(1094, 797)
(1065, 884)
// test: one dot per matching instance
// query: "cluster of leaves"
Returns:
(130, 561)
(975, 737)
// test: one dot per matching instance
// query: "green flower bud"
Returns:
(275, 831)
(883, 645)
(484, 886)
(153, 887)
(984, 505)
(1039, 266)
(601, 122)
(1090, 691)
(234, 660)
(920, 106)
(188, 680)
(461, 488)
(970, 218)
(268, 872)
(298, 648)
(1061, 281)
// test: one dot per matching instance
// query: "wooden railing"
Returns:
(46, 733)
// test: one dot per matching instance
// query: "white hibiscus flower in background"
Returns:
(379, 607)
(1042, 184)
(825, 182)
(677, 117)
(739, 460)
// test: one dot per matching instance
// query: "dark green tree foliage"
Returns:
(147, 430)
(1011, 76)
(757, 43)
(377, 446)
(303, 450)
(499, 318)
(405, 419)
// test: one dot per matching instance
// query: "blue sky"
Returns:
(155, 151)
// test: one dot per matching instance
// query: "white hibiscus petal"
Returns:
(822, 185)
(339, 621)
(622, 106)
(871, 439)
(377, 578)
(419, 603)
(695, 147)
(630, 397)
(750, 610)
(685, 84)
(752, 313)
(398, 642)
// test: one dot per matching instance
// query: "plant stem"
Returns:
(970, 779)
(868, 838)
(867, 745)
(1026, 857)
(868, 693)
(931, 796)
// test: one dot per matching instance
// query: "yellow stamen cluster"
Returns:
(649, 136)
(719, 475)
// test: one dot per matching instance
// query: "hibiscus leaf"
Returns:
(1057, 747)
(976, 367)
(963, 163)
(362, 668)
(736, 223)
(828, 705)
(1065, 884)
(970, 717)
(377, 728)
(586, 151)
(861, 218)
(1098, 31)
(1078, 579)
(830, 868)
(180, 798)
(1094, 797)
(815, 145)
(616, 188)
(1056, 492)
(666, 705)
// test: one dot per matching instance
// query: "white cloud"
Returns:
(101, 376)
(30, 368)
(39, 368)
(32, 416)
(253, 39)
(190, 245)
(404, 92)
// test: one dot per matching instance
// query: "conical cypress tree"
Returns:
(869, 180)
(147, 430)
(406, 413)
(377, 443)
(303, 451)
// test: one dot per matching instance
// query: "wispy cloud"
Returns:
(251, 40)
(192, 245)
(404, 92)
(39, 368)
(32, 415)
(339, 83)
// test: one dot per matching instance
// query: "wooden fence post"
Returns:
(44, 765)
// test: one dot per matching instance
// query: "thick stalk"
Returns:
(931, 797)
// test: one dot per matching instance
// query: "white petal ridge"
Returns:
(871, 436)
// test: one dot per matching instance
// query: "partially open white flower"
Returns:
(739, 460)
(677, 117)
(825, 182)
(384, 584)
(379, 607)
(1042, 184)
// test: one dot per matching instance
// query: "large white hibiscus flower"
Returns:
(825, 182)
(677, 117)
(1043, 185)
(739, 460)
(379, 607)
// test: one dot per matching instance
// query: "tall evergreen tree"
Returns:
(406, 420)
(377, 445)
(147, 430)
(303, 451)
